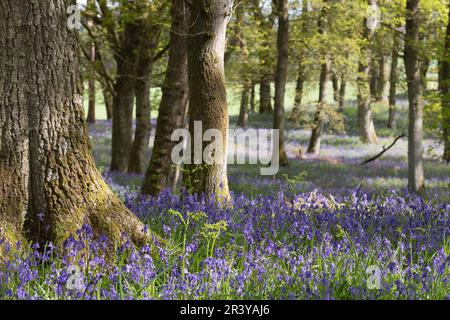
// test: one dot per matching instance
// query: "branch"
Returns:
(161, 53)
(384, 150)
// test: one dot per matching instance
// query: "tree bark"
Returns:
(392, 122)
(445, 92)
(282, 8)
(413, 66)
(207, 93)
(49, 185)
(365, 120)
(162, 173)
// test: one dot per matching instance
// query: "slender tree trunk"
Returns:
(373, 78)
(123, 102)
(47, 174)
(416, 180)
(445, 92)
(316, 135)
(92, 58)
(383, 80)
(162, 173)
(325, 74)
(392, 122)
(342, 91)
(136, 162)
(297, 110)
(92, 91)
(253, 98)
(365, 120)
(265, 95)
(335, 81)
(281, 75)
(425, 66)
(246, 81)
(108, 100)
(243, 112)
(149, 41)
(207, 95)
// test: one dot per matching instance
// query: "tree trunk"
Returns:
(425, 65)
(392, 122)
(108, 100)
(265, 95)
(342, 91)
(316, 135)
(253, 98)
(416, 180)
(246, 81)
(243, 112)
(162, 173)
(137, 157)
(92, 93)
(123, 102)
(207, 95)
(281, 75)
(335, 80)
(445, 93)
(47, 174)
(297, 109)
(373, 78)
(365, 120)
(383, 80)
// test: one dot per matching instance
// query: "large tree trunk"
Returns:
(413, 66)
(365, 120)
(162, 173)
(282, 7)
(392, 122)
(123, 102)
(47, 174)
(265, 95)
(316, 135)
(207, 94)
(444, 86)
